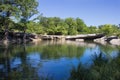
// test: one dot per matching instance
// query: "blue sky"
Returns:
(93, 12)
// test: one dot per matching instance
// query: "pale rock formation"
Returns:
(115, 42)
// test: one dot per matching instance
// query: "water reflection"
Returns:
(49, 60)
(14, 64)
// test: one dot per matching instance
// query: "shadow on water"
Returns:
(102, 69)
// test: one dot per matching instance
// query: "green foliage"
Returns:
(33, 27)
(92, 29)
(81, 26)
(28, 9)
(8, 9)
(54, 25)
(22, 11)
(101, 69)
(108, 29)
(72, 28)
(14, 9)
(67, 26)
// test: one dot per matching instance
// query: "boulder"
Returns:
(100, 40)
(108, 39)
(115, 42)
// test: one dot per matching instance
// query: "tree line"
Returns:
(73, 26)
(15, 16)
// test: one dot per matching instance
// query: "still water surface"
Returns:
(49, 60)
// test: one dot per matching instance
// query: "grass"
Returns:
(101, 69)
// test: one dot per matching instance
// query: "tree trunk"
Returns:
(6, 33)
(24, 36)
(6, 23)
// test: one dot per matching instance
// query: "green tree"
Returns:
(53, 25)
(72, 29)
(108, 29)
(33, 27)
(28, 8)
(2, 19)
(8, 9)
(81, 26)
(92, 29)
(61, 28)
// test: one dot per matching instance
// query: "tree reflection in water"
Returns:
(101, 69)
(28, 62)
(22, 72)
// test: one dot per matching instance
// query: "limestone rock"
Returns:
(115, 42)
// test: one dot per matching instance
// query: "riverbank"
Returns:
(17, 37)
(114, 40)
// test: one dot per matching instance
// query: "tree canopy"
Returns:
(16, 15)
(22, 9)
